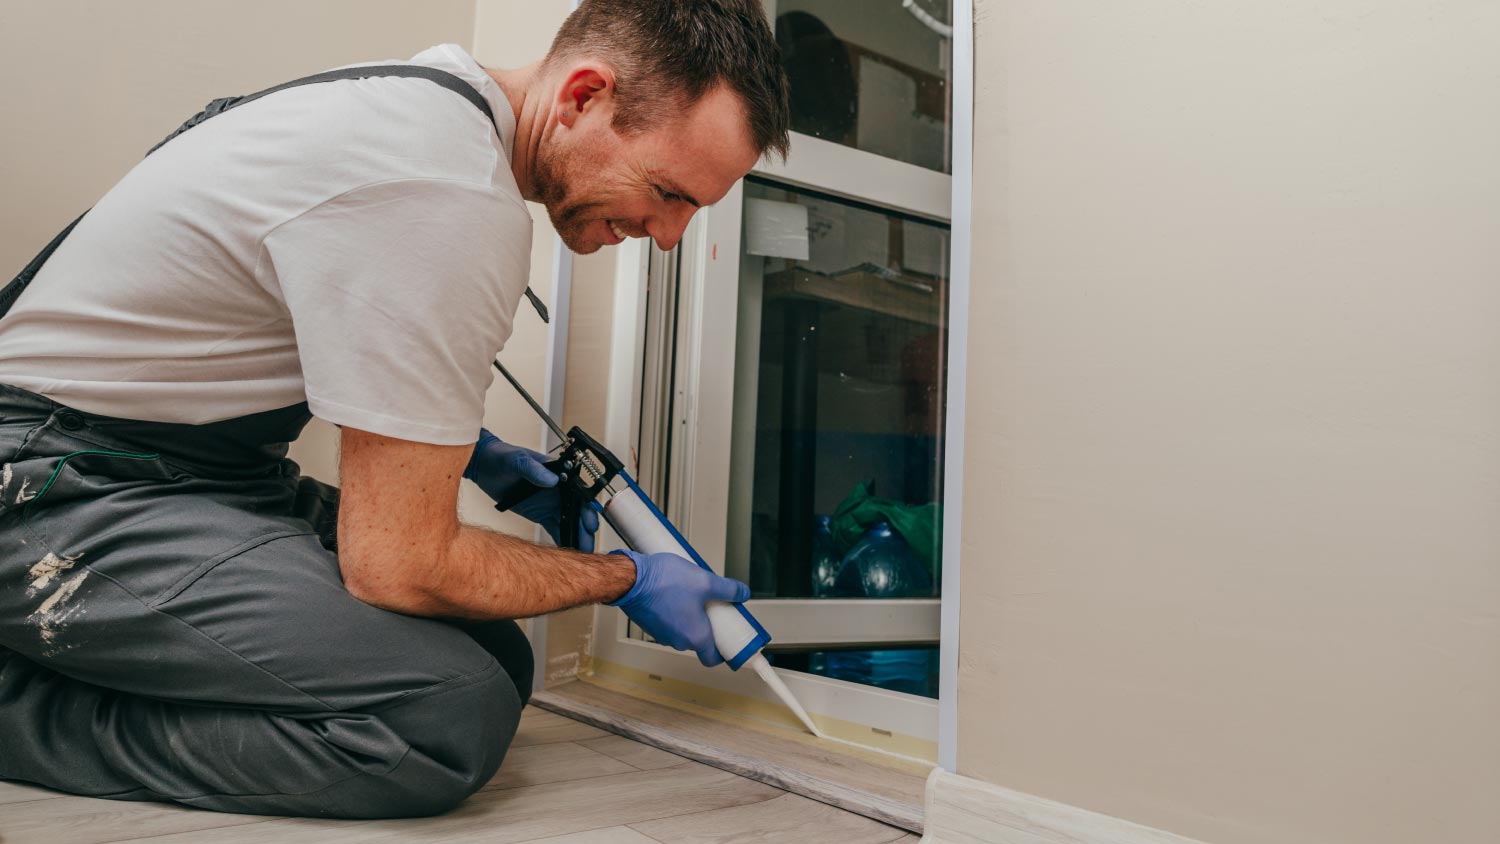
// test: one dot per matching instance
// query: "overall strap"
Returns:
(432, 74)
(18, 285)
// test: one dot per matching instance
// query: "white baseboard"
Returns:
(964, 810)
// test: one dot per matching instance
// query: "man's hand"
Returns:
(401, 546)
(499, 468)
(668, 601)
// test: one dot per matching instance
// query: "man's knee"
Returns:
(458, 733)
(509, 646)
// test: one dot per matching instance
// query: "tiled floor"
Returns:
(562, 783)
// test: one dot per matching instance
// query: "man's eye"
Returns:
(667, 195)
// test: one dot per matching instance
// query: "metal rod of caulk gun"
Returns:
(551, 423)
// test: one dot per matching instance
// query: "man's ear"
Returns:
(586, 88)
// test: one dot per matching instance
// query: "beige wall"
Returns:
(509, 33)
(570, 634)
(1231, 557)
(90, 86)
(512, 33)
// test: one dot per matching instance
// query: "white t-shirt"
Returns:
(358, 244)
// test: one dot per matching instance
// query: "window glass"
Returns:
(910, 670)
(845, 392)
(870, 74)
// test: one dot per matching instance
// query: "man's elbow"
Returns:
(386, 587)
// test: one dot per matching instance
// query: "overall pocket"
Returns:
(37, 485)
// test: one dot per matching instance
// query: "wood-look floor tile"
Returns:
(608, 835)
(88, 820)
(537, 717)
(538, 726)
(602, 789)
(529, 735)
(788, 819)
(633, 753)
(556, 762)
(859, 780)
(16, 792)
(513, 815)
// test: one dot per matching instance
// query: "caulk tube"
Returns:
(643, 527)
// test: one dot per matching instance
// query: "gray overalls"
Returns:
(173, 624)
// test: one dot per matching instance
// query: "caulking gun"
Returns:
(586, 471)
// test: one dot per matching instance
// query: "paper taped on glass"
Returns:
(776, 229)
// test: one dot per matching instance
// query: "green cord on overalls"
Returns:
(26, 511)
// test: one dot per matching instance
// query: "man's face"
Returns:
(601, 186)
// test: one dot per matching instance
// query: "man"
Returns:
(179, 618)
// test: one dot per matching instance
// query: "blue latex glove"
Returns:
(668, 601)
(498, 467)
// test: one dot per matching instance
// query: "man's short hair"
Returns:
(666, 54)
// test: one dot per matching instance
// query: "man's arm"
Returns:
(402, 548)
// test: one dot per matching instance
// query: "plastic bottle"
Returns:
(882, 565)
(825, 560)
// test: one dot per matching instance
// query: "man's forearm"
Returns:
(488, 575)
(402, 548)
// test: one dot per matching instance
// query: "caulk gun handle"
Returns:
(570, 512)
(521, 489)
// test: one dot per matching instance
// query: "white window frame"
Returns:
(702, 448)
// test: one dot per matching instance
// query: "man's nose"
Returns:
(666, 229)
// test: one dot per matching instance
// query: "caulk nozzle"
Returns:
(763, 668)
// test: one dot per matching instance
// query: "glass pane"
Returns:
(910, 670)
(839, 403)
(870, 74)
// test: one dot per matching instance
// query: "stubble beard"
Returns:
(552, 192)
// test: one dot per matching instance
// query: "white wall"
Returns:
(1232, 546)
